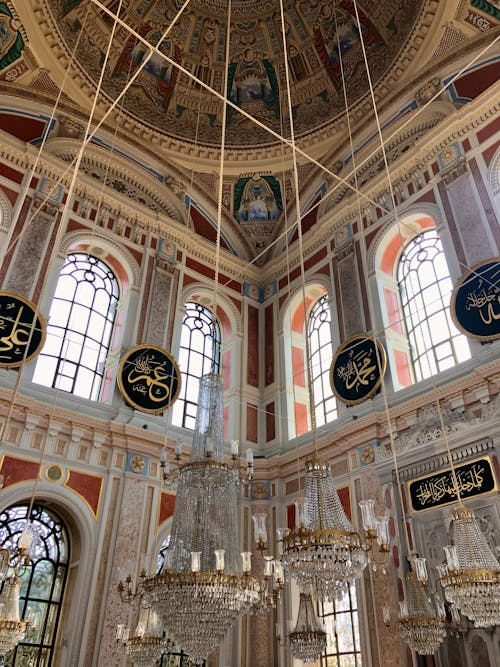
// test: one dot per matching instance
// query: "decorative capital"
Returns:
(458, 169)
(165, 265)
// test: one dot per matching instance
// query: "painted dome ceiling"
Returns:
(323, 38)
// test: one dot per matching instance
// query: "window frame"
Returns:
(354, 610)
(320, 361)
(40, 515)
(184, 409)
(423, 331)
(62, 336)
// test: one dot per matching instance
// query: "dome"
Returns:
(182, 110)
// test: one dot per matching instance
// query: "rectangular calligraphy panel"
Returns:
(473, 479)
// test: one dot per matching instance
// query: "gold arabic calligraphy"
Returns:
(19, 334)
(486, 294)
(146, 377)
(432, 491)
(358, 370)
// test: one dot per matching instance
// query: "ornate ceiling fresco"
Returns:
(317, 33)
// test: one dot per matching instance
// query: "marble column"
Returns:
(131, 524)
(161, 294)
(260, 648)
(351, 319)
(31, 247)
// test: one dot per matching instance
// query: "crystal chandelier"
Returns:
(206, 583)
(13, 564)
(147, 644)
(324, 551)
(308, 639)
(471, 576)
(421, 627)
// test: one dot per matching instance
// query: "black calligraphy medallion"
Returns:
(22, 330)
(357, 369)
(475, 302)
(473, 479)
(149, 378)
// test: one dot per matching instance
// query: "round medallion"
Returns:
(475, 302)
(137, 463)
(22, 330)
(357, 369)
(149, 378)
(54, 473)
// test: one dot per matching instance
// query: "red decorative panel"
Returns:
(410, 536)
(10, 194)
(345, 498)
(270, 422)
(395, 555)
(308, 220)
(166, 509)
(490, 152)
(269, 344)
(226, 422)
(299, 316)
(17, 470)
(88, 487)
(298, 366)
(253, 347)
(252, 423)
(472, 84)
(290, 516)
(226, 369)
(202, 269)
(488, 131)
(428, 196)
(392, 306)
(204, 227)
(401, 597)
(22, 127)
(301, 418)
(312, 261)
(402, 368)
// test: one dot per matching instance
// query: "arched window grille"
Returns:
(425, 288)
(42, 584)
(321, 354)
(341, 622)
(200, 344)
(80, 325)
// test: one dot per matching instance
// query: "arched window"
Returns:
(80, 325)
(200, 345)
(42, 583)
(321, 354)
(425, 288)
(341, 624)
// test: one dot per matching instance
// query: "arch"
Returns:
(405, 345)
(293, 324)
(228, 313)
(99, 245)
(494, 179)
(5, 212)
(82, 528)
(125, 175)
(412, 219)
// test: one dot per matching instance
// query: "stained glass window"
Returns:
(79, 330)
(341, 623)
(425, 287)
(321, 354)
(42, 583)
(199, 347)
